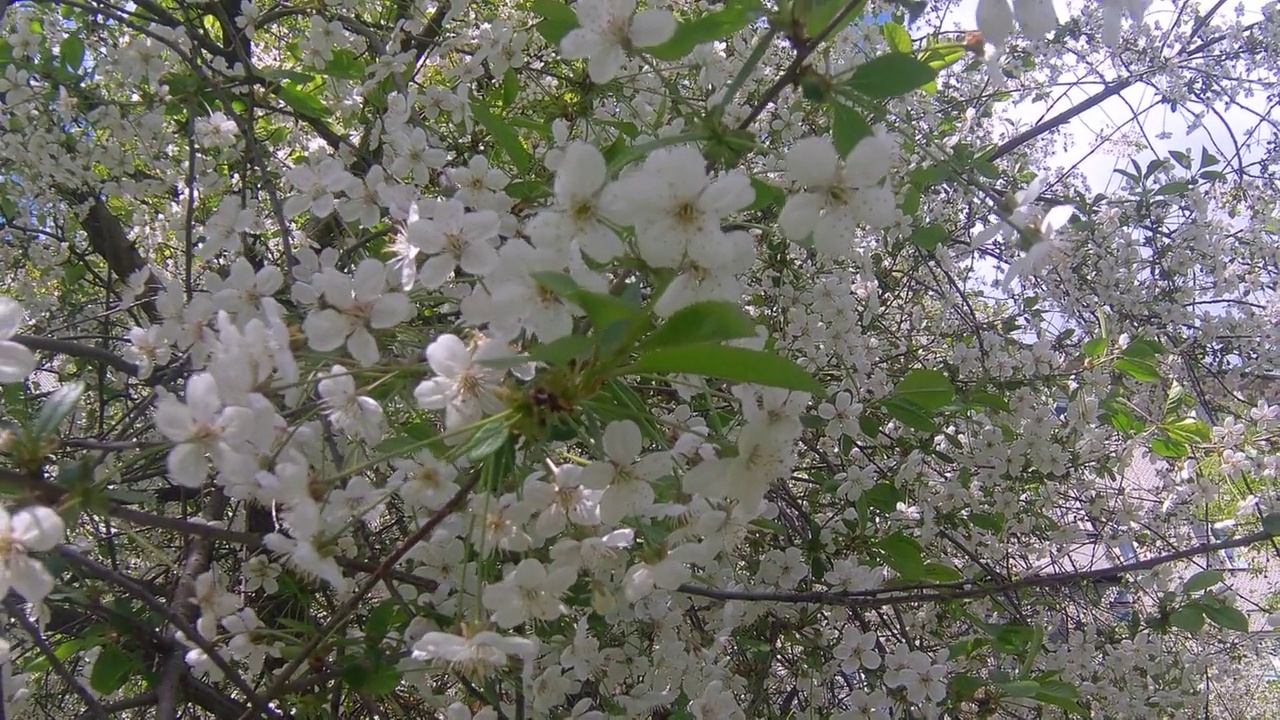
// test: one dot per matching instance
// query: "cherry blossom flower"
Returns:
(607, 28)
(840, 193)
(464, 386)
(200, 426)
(31, 529)
(475, 654)
(454, 238)
(16, 361)
(356, 302)
(626, 477)
(528, 592)
(576, 218)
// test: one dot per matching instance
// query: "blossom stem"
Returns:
(753, 60)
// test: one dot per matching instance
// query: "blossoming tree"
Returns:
(394, 358)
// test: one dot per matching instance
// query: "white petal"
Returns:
(579, 43)
(800, 215)
(11, 317)
(16, 361)
(652, 27)
(582, 172)
(813, 162)
(727, 194)
(436, 271)
(326, 330)
(37, 528)
(1036, 17)
(995, 21)
(203, 398)
(30, 579)
(622, 441)
(604, 65)
(390, 310)
(370, 279)
(448, 356)
(363, 347)
(187, 465)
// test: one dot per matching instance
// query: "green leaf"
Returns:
(486, 440)
(398, 445)
(938, 572)
(929, 389)
(1189, 617)
(1096, 347)
(1202, 581)
(713, 26)
(503, 135)
(847, 127)
(909, 414)
(942, 56)
(982, 398)
(1227, 617)
(1167, 448)
(766, 195)
(1020, 688)
(729, 363)
(890, 75)
(711, 321)
(558, 19)
(823, 12)
(897, 36)
(1177, 187)
(561, 350)
(1188, 430)
(929, 237)
(1271, 523)
(113, 669)
(71, 51)
(345, 65)
(302, 102)
(1143, 350)
(57, 408)
(1140, 370)
(904, 555)
(603, 310)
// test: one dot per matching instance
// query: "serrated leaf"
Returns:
(729, 363)
(713, 26)
(929, 389)
(890, 75)
(112, 669)
(1202, 581)
(56, 408)
(503, 135)
(1227, 617)
(710, 321)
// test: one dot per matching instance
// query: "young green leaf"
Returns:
(729, 363)
(57, 408)
(502, 135)
(847, 126)
(1139, 370)
(711, 321)
(1227, 617)
(909, 414)
(718, 25)
(929, 389)
(890, 75)
(1202, 581)
(558, 19)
